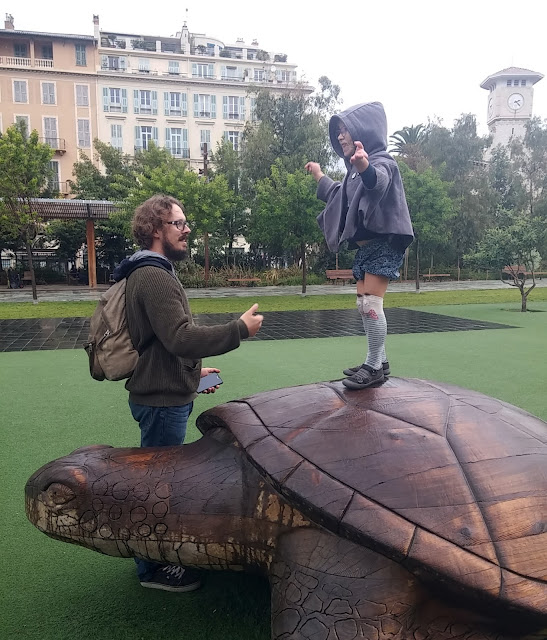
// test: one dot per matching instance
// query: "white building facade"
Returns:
(182, 93)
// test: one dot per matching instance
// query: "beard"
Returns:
(172, 253)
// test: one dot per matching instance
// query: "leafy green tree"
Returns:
(284, 220)
(407, 143)
(530, 159)
(430, 210)
(513, 246)
(69, 235)
(111, 180)
(25, 170)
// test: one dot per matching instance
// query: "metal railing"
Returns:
(58, 144)
(180, 152)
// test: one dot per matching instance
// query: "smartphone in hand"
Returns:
(208, 381)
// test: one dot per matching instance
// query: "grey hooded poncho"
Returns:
(351, 207)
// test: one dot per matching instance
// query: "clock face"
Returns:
(515, 101)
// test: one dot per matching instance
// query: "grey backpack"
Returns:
(109, 348)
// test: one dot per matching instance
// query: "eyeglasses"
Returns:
(179, 224)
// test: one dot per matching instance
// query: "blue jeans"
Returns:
(160, 427)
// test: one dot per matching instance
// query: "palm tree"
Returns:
(407, 143)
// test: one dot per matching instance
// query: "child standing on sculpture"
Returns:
(369, 211)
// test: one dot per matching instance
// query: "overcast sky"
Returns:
(421, 58)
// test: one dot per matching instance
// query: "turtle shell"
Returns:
(447, 481)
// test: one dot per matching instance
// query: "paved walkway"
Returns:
(62, 293)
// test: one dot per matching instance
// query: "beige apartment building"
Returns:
(49, 81)
(181, 92)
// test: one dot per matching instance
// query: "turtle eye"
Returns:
(59, 493)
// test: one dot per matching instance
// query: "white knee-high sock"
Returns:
(374, 321)
(362, 312)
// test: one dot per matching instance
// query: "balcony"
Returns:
(239, 78)
(26, 63)
(180, 152)
(57, 144)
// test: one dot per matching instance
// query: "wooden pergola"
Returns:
(88, 210)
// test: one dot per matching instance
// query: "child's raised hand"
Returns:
(360, 158)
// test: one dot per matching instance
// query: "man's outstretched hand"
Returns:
(360, 158)
(253, 322)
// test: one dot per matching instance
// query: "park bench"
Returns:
(521, 270)
(436, 275)
(246, 280)
(27, 278)
(339, 274)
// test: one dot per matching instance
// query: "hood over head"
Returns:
(365, 122)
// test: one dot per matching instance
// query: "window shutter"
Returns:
(166, 104)
(225, 107)
(185, 138)
(155, 136)
(136, 103)
(168, 138)
(223, 71)
(213, 106)
(104, 62)
(138, 140)
(211, 72)
(123, 63)
(154, 95)
(184, 104)
(106, 99)
(194, 69)
(226, 136)
(124, 100)
(242, 108)
(196, 105)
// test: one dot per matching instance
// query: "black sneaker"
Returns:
(365, 377)
(351, 370)
(174, 578)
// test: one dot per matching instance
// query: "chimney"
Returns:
(8, 23)
(96, 31)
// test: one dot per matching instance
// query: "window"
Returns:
(205, 106)
(144, 135)
(50, 132)
(523, 83)
(233, 137)
(145, 101)
(82, 95)
(231, 73)
(259, 75)
(205, 139)
(116, 139)
(47, 52)
(176, 140)
(48, 93)
(81, 59)
(20, 50)
(144, 65)
(23, 120)
(20, 91)
(115, 99)
(84, 135)
(175, 103)
(509, 83)
(200, 70)
(53, 182)
(283, 75)
(174, 68)
(113, 63)
(233, 108)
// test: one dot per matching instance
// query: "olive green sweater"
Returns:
(171, 345)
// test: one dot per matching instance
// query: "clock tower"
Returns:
(510, 98)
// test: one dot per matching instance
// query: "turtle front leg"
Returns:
(326, 588)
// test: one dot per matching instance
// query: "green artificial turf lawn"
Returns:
(50, 406)
(10, 310)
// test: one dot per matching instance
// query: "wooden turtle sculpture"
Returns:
(412, 511)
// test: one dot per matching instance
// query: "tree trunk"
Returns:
(417, 264)
(31, 269)
(304, 270)
(206, 247)
(523, 297)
